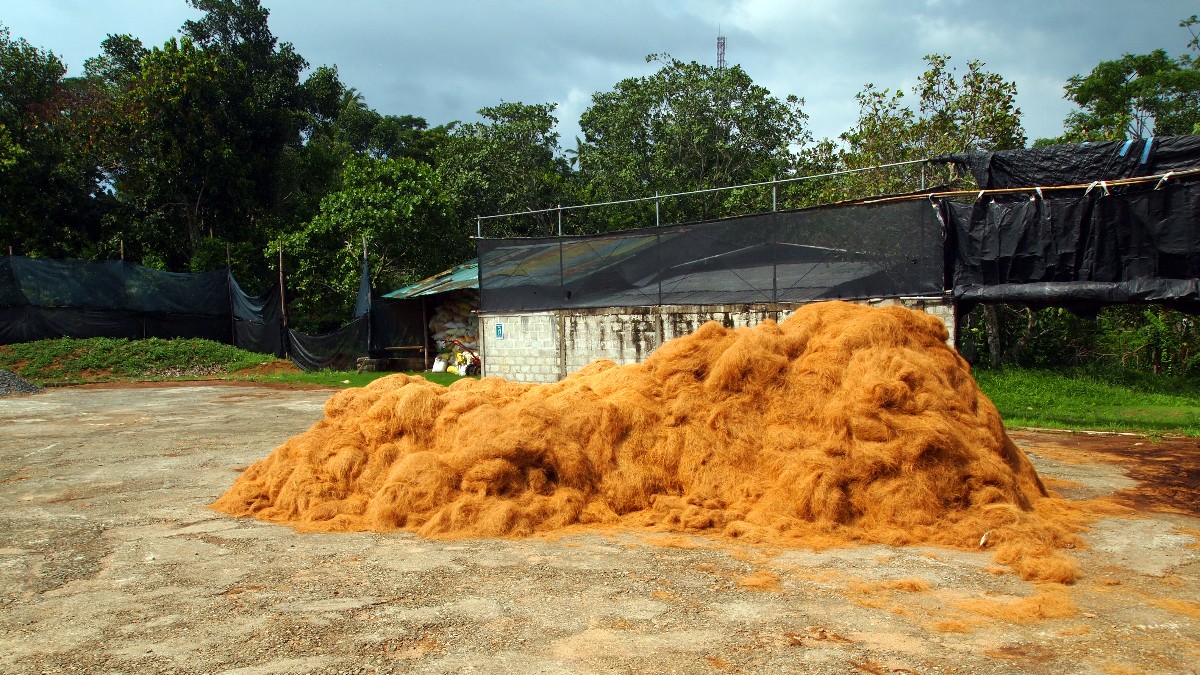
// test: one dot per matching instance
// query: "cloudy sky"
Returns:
(445, 60)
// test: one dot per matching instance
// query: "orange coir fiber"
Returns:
(841, 421)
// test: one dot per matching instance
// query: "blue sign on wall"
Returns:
(499, 331)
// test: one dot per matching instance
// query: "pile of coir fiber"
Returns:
(841, 423)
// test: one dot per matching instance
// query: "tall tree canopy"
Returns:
(508, 162)
(973, 112)
(1137, 95)
(202, 123)
(686, 127)
(399, 206)
(49, 187)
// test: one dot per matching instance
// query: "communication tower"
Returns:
(720, 52)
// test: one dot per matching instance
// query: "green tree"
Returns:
(507, 163)
(50, 196)
(1136, 96)
(687, 127)
(340, 117)
(337, 124)
(974, 112)
(407, 219)
(260, 79)
(178, 175)
(197, 133)
(119, 61)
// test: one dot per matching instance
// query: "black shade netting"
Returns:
(847, 252)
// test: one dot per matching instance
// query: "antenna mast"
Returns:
(720, 52)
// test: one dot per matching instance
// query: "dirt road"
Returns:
(110, 561)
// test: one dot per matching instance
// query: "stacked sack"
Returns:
(456, 320)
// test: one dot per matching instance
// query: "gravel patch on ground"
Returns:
(15, 385)
(111, 561)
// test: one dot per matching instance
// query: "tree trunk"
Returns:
(991, 326)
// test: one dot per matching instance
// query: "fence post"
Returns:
(479, 227)
(775, 193)
(562, 278)
(370, 300)
(656, 201)
(658, 254)
(229, 292)
(283, 317)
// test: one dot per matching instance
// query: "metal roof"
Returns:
(456, 278)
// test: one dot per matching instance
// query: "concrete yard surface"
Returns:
(112, 562)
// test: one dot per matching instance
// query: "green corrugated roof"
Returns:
(456, 278)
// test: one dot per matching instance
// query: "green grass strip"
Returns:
(1111, 400)
(78, 361)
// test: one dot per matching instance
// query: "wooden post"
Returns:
(229, 291)
(425, 337)
(122, 249)
(232, 314)
(370, 306)
(283, 303)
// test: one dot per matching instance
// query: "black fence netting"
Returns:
(84, 298)
(847, 252)
(43, 299)
(258, 320)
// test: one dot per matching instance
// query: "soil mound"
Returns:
(275, 367)
(841, 423)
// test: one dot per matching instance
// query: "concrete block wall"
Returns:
(526, 348)
(547, 346)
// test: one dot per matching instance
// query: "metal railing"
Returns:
(657, 198)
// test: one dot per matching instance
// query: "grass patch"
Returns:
(75, 361)
(1086, 399)
(68, 360)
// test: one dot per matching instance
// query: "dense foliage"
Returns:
(223, 145)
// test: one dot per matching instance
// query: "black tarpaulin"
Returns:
(1079, 164)
(363, 304)
(1083, 250)
(263, 308)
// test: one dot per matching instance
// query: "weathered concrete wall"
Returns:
(548, 346)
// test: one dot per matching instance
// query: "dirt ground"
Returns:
(111, 562)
